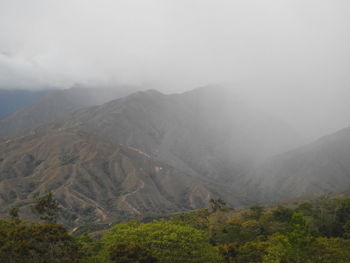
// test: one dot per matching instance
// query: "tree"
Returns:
(198, 219)
(46, 206)
(252, 229)
(343, 211)
(252, 252)
(323, 218)
(92, 249)
(131, 253)
(217, 204)
(229, 252)
(342, 214)
(305, 208)
(226, 233)
(37, 243)
(14, 213)
(346, 228)
(164, 240)
(295, 246)
(255, 212)
(331, 250)
(282, 214)
(299, 241)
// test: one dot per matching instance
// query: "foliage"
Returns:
(217, 204)
(255, 212)
(342, 214)
(331, 250)
(282, 214)
(92, 249)
(198, 219)
(315, 232)
(14, 213)
(36, 243)
(167, 241)
(295, 245)
(131, 253)
(252, 252)
(46, 206)
(229, 251)
(67, 158)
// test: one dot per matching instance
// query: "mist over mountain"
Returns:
(13, 100)
(205, 125)
(315, 169)
(187, 147)
(45, 106)
(174, 131)
(289, 57)
(151, 152)
(283, 66)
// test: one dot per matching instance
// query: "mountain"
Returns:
(315, 169)
(13, 100)
(53, 104)
(144, 153)
(205, 132)
(94, 179)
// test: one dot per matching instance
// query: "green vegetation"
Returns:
(67, 158)
(36, 242)
(46, 206)
(315, 232)
(167, 241)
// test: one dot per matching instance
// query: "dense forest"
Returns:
(315, 231)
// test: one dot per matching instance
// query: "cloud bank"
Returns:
(273, 51)
(182, 43)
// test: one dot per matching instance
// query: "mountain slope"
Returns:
(56, 103)
(94, 179)
(204, 132)
(315, 169)
(13, 100)
(147, 152)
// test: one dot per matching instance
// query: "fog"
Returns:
(289, 57)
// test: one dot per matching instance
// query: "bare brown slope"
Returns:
(95, 180)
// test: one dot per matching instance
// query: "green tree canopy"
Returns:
(166, 241)
(131, 253)
(36, 243)
(46, 206)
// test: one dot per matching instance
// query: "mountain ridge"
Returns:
(204, 144)
(319, 167)
(53, 104)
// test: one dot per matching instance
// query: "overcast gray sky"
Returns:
(292, 56)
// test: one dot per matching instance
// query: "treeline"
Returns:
(317, 232)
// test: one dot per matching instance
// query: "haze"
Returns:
(288, 57)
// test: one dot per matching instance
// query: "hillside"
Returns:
(94, 179)
(13, 100)
(315, 169)
(145, 153)
(203, 132)
(50, 105)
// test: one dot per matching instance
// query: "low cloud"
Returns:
(290, 56)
